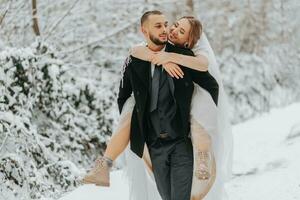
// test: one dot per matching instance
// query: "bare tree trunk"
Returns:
(283, 21)
(190, 5)
(35, 25)
(3, 16)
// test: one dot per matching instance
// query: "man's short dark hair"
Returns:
(148, 13)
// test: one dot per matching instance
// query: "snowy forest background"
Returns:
(60, 69)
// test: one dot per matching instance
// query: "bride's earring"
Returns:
(186, 45)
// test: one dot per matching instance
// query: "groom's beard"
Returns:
(156, 40)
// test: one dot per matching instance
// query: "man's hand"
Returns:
(173, 70)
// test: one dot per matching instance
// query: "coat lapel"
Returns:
(142, 71)
(171, 84)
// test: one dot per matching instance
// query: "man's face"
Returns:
(156, 29)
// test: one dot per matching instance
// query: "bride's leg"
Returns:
(201, 139)
(202, 148)
(146, 158)
(99, 174)
(119, 140)
(205, 166)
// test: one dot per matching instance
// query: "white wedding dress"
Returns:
(214, 119)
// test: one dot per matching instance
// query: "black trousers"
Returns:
(172, 162)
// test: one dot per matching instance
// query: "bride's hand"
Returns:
(161, 58)
(173, 70)
(142, 52)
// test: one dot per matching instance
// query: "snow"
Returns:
(58, 91)
(117, 190)
(266, 161)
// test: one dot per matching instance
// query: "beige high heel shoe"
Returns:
(99, 174)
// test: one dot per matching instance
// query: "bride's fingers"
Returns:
(154, 60)
(169, 72)
(178, 73)
(179, 70)
(174, 73)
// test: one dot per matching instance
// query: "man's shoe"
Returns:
(99, 175)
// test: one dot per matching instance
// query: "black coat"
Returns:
(136, 79)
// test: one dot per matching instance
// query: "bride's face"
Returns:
(179, 32)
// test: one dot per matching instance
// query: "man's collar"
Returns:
(163, 49)
(171, 42)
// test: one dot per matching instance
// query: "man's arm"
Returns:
(203, 79)
(125, 88)
(206, 81)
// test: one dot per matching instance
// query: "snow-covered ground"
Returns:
(118, 190)
(266, 157)
(266, 161)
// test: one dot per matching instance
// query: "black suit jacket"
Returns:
(136, 79)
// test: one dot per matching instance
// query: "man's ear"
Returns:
(144, 31)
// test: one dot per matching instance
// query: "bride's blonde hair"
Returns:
(195, 32)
